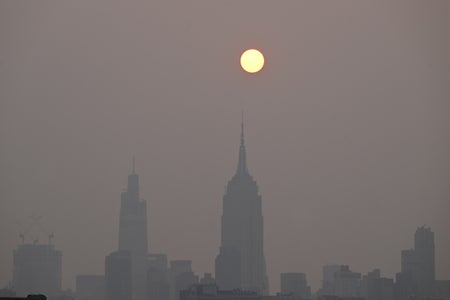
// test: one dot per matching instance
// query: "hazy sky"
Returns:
(347, 127)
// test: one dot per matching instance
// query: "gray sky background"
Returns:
(347, 127)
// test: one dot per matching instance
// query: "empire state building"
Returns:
(241, 263)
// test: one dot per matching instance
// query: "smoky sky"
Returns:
(346, 128)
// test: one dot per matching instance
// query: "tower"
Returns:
(424, 258)
(241, 262)
(133, 218)
(417, 277)
(133, 234)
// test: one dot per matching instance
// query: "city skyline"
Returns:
(133, 220)
(126, 269)
(346, 127)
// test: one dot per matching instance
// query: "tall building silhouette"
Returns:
(241, 263)
(424, 252)
(37, 270)
(118, 276)
(133, 218)
(417, 277)
(133, 234)
(158, 284)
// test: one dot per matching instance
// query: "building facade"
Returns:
(375, 287)
(31, 262)
(118, 276)
(346, 282)
(295, 284)
(133, 233)
(158, 285)
(417, 276)
(241, 262)
(133, 218)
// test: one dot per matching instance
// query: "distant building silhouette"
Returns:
(295, 284)
(347, 283)
(133, 233)
(417, 276)
(424, 253)
(158, 285)
(118, 276)
(181, 277)
(145, 276)
(90, 287)
(133, 218)
(241, 262)
(37, 270)
(442, 289)
(207, 279)
(375, 287)
(211, 292)
(404, 287)
(328, 279)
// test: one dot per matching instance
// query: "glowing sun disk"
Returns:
(252, 60)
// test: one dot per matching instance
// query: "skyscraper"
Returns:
(118, 276)
(158, 284)
(241, 262)
(133, 218)
(133, 234)
(424, 253)
(417, 277)
(37, 270)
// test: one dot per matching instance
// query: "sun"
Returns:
(252, 60)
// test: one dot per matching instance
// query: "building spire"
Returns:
(242, 128)
(242, 163)
(133, 166)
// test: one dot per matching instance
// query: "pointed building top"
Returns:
(242, 163)
(242, 128)
(133, 183)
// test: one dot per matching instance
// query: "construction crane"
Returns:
(28, 233)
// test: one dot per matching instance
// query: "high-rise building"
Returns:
(295, 284)
(424, 253)
(417, 277)
(158, 286)
(241, 263)
(328, 279)
(133, 218)
(133, 233)
(181, 277)
(346, 282)
(118, 276)
(37, 270)
(375, 287)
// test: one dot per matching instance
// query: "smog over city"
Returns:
(225, 150)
